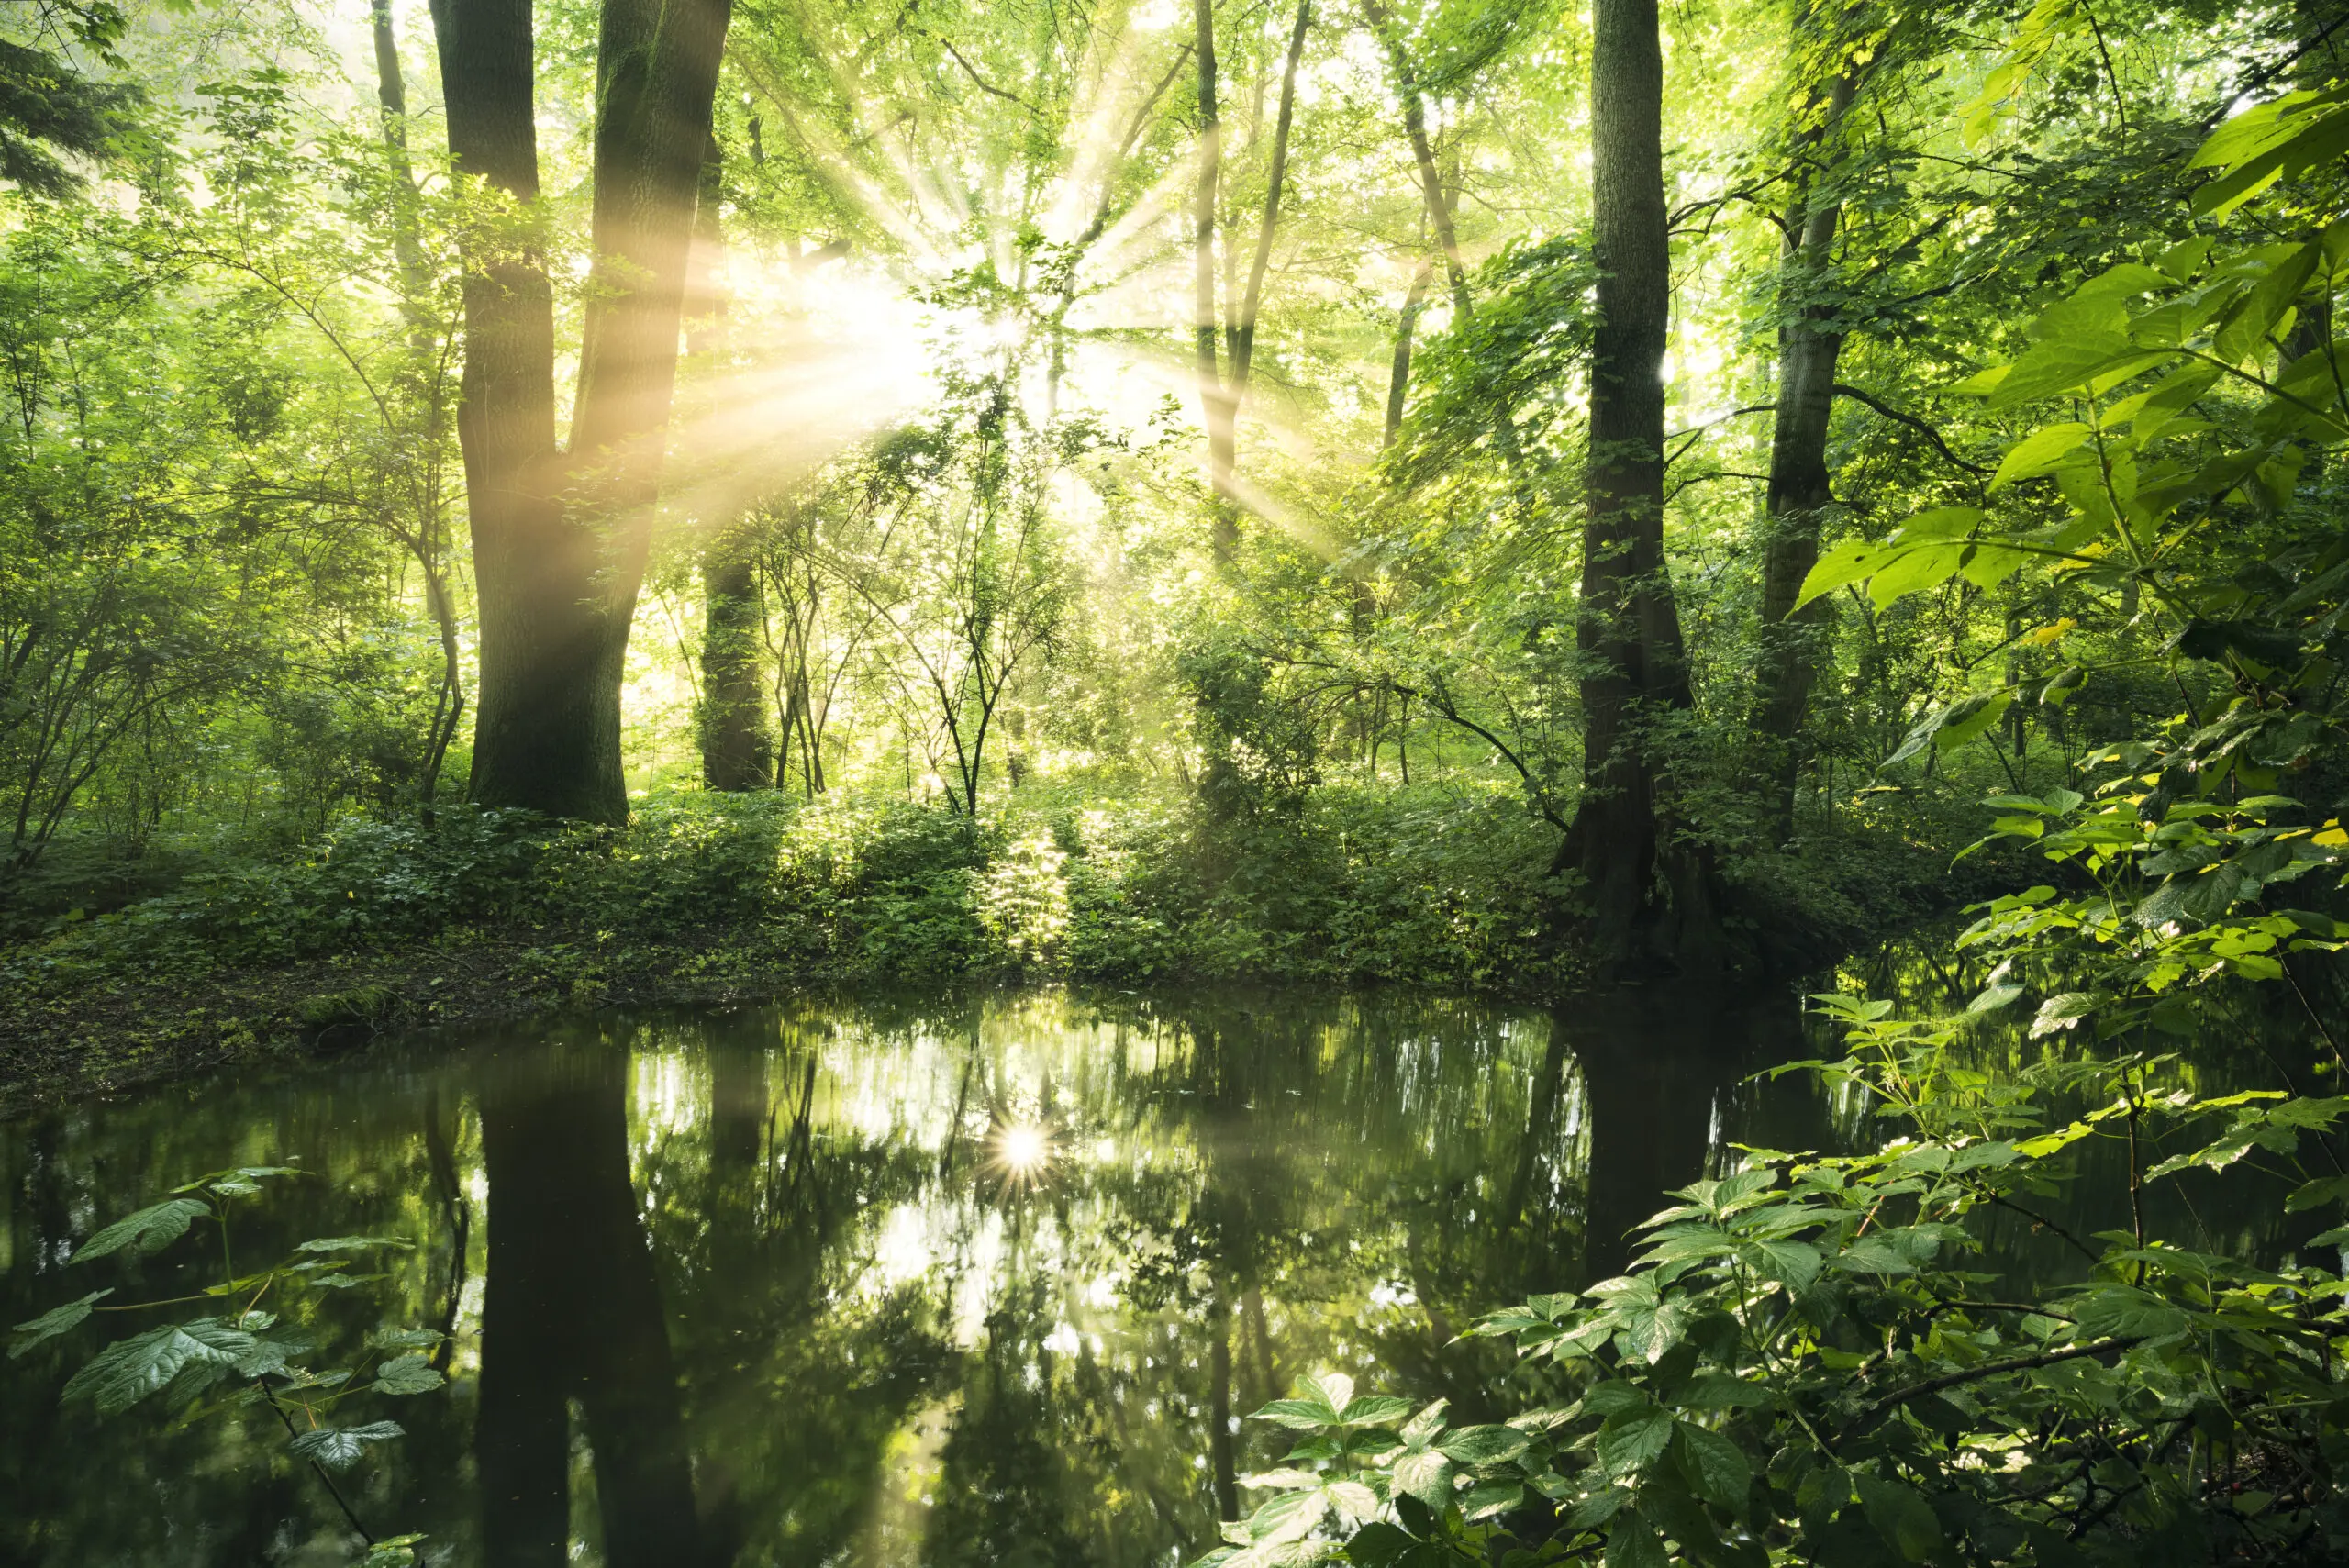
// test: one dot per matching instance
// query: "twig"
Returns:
(331, 1491)
(1993, 1369)
(1856, 396)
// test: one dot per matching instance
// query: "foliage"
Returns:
(247, 1357)
(1807, 1364)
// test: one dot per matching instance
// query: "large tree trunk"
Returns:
(1651, 895)
(573, 1312)
(1809, 344)
(559, 539)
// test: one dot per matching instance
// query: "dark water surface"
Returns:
(881, 1280)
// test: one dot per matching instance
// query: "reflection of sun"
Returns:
(1021, 1153)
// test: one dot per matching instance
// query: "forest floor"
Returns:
(87, 1041)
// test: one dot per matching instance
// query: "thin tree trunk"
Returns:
(1809, 345)
(737, 752)
(408, 245)
(1221, 394)
(1398, 377)
(1216, 407)
(560, 541)
(1650, 898)
(1243, 338)
(426, 541)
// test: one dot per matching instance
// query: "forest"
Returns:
(889, 658)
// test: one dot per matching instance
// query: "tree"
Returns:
(1222, 392)
(46, 105)
(1650, 891)
(562, 533)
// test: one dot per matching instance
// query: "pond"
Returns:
(882, 1279)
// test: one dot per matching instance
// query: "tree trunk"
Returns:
(1216, 407)
(573, 1312)
(1651, 896)
(1809, 344)
(427, 541)
(1399, 375)
(737, 752)
(1222, 395)
(559, 539)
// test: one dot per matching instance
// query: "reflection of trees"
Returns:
(573, 1312)
(773, 1240)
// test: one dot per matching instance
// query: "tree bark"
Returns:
(1810, 345)
(1216, 407)
(737, 749)
(1398, 374)
(1651, 895)
(559, 539)
(426, 388)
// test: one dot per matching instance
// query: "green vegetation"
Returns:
(1683, 496)
(202, 1367)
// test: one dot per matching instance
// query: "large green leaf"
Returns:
(129, 1370)
(1632, 1542)
(1627, 1445)
(148, 1230)
(1716, 1469)
(2042, 451)
(406, 1374)
(1902, 1515)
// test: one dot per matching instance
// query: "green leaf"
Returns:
(1303, 1415)
(404, 1338)
(1848, 561)
(55, 1322)
(1912, 571)
(2245, 331)
(407, 1374)
(1717, 1468)
(1484, 1445)
(1627, 1445)
(338, 1447)
(1869, 1256)
(393, 1552)
(1720, 1391)
(1425, 1474)
(1970, 716)
(396, 1552)
(129, 1370)
(1633, 1544)
(2041, 451)
(1375, 1410)
(1902, 1515)
(150, 1230)
(1596, 1510)
(352, 1243)
(1792, 1264)
(2318, 1194)
(1492, 1497)
(2062, 1011)
(1378, 1545)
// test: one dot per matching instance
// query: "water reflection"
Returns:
(887, 1283)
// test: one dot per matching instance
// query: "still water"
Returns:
(878, 1281)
